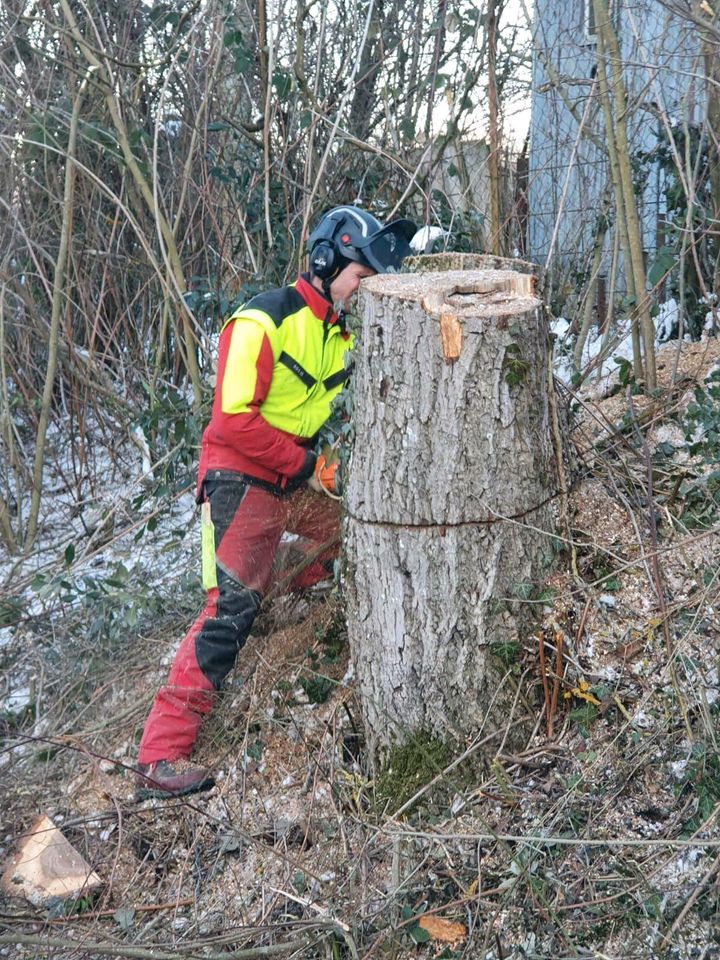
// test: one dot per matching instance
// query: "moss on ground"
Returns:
(411, 765)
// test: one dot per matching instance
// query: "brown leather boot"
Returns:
(164, 779)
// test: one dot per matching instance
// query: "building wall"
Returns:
(661, 67)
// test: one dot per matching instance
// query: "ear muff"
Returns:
(324, 260)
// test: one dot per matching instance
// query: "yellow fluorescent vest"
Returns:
(308, 362)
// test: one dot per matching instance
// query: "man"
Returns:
(281, 362)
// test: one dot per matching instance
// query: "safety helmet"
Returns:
(348, 233)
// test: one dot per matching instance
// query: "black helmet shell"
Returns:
(357, 235)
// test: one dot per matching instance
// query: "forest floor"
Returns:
(600, 838)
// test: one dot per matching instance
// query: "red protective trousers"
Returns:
(249, 520)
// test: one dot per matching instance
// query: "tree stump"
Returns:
(449, 507)
(441, 262)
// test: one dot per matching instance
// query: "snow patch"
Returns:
(667, 321)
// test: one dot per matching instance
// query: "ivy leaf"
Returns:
(664, 261)
(418, 934)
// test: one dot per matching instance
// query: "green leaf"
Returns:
(418, 934)
(69, 554)
(282, 83)
(217, 125)
(408, 128)
(317, 688)
(664, 261)
(523, 590)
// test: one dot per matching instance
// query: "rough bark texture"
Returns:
(449, 504)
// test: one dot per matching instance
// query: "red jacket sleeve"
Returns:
(245, 369)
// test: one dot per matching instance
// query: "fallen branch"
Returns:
(141, 908)
(145, 953)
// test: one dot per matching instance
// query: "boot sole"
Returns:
(156, 793)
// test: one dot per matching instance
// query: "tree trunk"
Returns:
(449, 503)
(495, 245)
(712, 85)
(608, 45)
(620, 220)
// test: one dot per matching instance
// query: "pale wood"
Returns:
(442, 262)
(45, 866)
(449, 507)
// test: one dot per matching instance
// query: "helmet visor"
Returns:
(386, 249)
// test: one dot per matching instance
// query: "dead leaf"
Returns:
(444, 931)
(581, 691)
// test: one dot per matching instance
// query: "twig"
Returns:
(708, 875)
(543, 676)
(558, 675)
(583, 621)
(144, 953)
(655, 564)
(141, 908)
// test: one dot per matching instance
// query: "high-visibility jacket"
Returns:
(281, 362)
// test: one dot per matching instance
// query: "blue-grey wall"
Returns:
(661, 66)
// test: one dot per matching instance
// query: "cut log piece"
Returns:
(46, 866)
(449, 522)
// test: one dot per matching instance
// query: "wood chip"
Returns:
(46, 865)
(444, 931)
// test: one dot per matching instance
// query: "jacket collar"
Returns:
(315, 299)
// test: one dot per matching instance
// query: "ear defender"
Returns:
(324, 260)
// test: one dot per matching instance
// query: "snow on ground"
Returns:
(604, 352)
(89, 537)
(599, 351)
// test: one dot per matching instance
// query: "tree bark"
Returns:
(620, 219)
(449, 505)
(495, 245)
(608, 45)
(712, 85)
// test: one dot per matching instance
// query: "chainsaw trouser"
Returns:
(249, 520)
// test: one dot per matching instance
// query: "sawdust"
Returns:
(600, 414)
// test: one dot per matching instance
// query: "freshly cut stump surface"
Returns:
(450, 498)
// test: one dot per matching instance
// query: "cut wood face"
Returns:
(46, 865)
(454, 294)
(476, 293)
(436, 262)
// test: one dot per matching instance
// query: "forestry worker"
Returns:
(281, 362)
